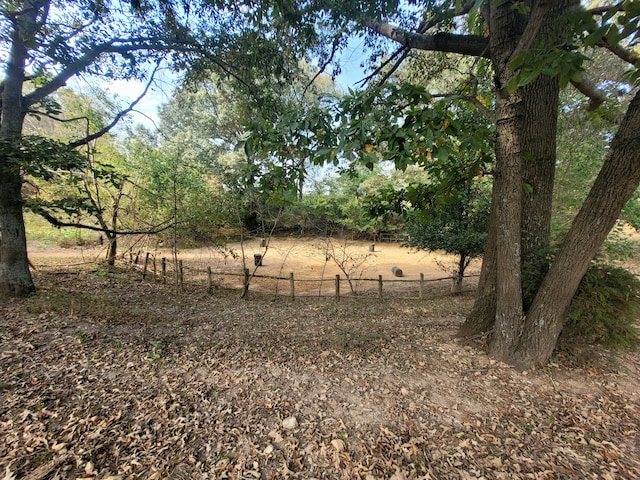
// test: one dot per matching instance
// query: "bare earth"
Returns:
(308, 259)
(103, 376)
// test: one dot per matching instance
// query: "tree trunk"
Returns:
(614, 186)
(505, 27)
(112, 249)
(540, 105)
(456, 286)
(538, 140)
(508, 188)
(15, 277)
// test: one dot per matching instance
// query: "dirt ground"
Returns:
(307, 258)
(105, 376)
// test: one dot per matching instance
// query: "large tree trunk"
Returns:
(540, 122)
(538, 140)
(508, 193)
(540, 107)
(614, 186)
(506, 26)
(15, 277)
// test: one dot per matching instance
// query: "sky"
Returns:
(146, 111)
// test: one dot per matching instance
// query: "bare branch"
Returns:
(624, 54)
(323, 67)
(57, 119)
(116, 45)
(118, 117)
(588, 88)
(602, 10)
(59, 223)
(403, 51)
(480, 106)
(225, 67)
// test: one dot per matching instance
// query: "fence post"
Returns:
(146, 263)
(164, 270)
(180, 274)
(337, 287)
(292, 286)
(155, 270)
(422, 286)
(379, 287)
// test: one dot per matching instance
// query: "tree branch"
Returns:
(332, 55)
(474, 45)
(119, 46)
(624, 54)
(118, 117)
(588, 88)
(59, 223)
(403, 51)
(530, 34)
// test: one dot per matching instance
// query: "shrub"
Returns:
(604, 310)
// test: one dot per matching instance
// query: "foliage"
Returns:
(175, 191)
(457, 225)
(605, 309)
(40, 157)
(397, 123)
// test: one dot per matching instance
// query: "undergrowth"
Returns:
(604, 310)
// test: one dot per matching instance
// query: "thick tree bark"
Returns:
(538, 140)
(539, 130)
(540, 107)
(507, 185)
(15, 277)
(614, 186)
(505, 25)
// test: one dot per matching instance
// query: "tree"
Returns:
(49, 42)
(526, 113)
(457, 224)
(534, 49)
(94, 194)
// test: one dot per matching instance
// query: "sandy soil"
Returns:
(307, 258)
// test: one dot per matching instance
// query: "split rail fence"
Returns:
(338, 286)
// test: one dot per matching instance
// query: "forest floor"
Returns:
(104, 376)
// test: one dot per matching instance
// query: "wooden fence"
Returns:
(180, 273)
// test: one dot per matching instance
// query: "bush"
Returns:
(604, 310)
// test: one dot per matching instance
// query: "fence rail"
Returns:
(338, 286)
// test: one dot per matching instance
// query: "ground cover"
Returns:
(107, 377)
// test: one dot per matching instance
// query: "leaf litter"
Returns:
(110, 378)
